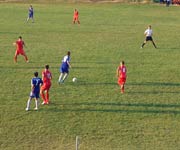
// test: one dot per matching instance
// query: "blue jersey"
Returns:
(36, 82)
(31, 11)
(64, 65)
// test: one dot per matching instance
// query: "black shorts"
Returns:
(149, 38)
(167, 3)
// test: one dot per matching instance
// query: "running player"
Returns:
(19, 49)
(121, 75)
(31, 13)
(36, 82)
(64, 68)
(148, 33)
(46, 77)
(76, 16)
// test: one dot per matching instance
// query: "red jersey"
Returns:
(122, 71)
(76, 13)
(46, 76)
(19, 45)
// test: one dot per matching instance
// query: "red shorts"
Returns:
(45, 87)
(19, 52)
(75, 18)
(121, 81)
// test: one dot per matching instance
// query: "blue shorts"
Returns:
(30, 15)
(34, 94)
(64, 70)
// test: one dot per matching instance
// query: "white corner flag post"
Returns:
(77, 143)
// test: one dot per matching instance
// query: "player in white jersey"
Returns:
(64, 68)
(148, 33)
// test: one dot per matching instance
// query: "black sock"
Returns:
(143, 45)
(154, 45)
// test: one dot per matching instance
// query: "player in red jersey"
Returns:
(76, 16)
(121, 74)
(46, 77)
(19, 49)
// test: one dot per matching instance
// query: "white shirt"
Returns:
(148, 32)
(66, 59)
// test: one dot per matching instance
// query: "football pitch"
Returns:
(145, 117)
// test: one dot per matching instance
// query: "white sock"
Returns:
(65, 76)
(36, 103)
(28, 103)
(60, 77)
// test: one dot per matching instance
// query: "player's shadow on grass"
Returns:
(81, 82)
(28, 67)
(163, 84)
(97, 83)
(119, 108)
(8, 32)
(155, 84)
(152, 92)
(95, 62)
(168, 49)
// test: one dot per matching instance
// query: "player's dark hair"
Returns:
(47, 66)
(123, 62)
(36, 74)
(68, 53)
(20, 37)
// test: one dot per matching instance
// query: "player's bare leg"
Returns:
(74, 21)
(15, 57)
(30, 18)
(27, 19)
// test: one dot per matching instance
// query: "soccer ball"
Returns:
(74, 79)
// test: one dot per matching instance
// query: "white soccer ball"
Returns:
(74, 79)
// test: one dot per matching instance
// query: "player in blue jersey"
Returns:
(31, 13)
(36, 82)
(64, 68)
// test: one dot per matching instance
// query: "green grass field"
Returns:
(146, 117)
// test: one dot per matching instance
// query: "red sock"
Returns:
(43, 97)
(47, 97)
(122, 89)
(15, 59)
(26, 58)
